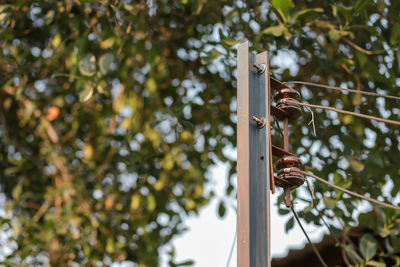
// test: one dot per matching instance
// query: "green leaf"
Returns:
(375, 263)
(368, 246)
(221, 209)
(283, 5)
(360, 4)
(352, 254)
(151, 202)
(334, 35)
(87, 92)
(362, 59)
(322, 24)
(357, 100)
(356, 165)
(110, 245)
(329, 202)
(105, 62)
(274, 30)
(151, 86)
(398, 58)
(383, 231)
(347, 13)
(306, 14)
(186, 263)
(87, 65)
(395, 35)
(289, 224)
(229, 42)
(376, 159)
(283, 211)
(17, 190)
(135, 202)
(210, 56)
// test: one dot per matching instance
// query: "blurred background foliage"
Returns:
(112, 112)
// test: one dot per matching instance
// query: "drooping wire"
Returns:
(321, 216)
(312, 121)
(308, 238)
(311, 192)
(232, 247)
(285, 100)
(345, 89)
(354, 194)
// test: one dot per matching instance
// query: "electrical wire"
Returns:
(321, 216)
(311, 191)
(286, 100)
(345, 89)
(308, 238)
(231, 251)
(354, 194)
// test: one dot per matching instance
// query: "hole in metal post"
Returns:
(262, 157)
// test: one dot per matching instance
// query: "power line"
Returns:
(231, 251)
(308, 239)
(287, 100)
(321, 216)
(345, 89)
(354, 194)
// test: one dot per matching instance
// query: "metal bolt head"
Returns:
(260, 121)
(260, 68)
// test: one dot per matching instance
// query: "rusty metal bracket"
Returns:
(279, 152)
(280, 114)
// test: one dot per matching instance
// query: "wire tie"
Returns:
(312, 121)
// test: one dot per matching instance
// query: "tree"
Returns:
(112, 112)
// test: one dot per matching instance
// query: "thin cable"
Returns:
(308, 239)
(354, 194)
(341, 111)
(231, 252)
(344, 89)
(321, 216)
(311, 191)
(279, 127)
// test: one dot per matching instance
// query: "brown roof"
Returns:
(306, 256)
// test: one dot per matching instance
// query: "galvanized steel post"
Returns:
(253, 159)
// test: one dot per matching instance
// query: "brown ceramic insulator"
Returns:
(293, 110)
(292, 179)
(287, 93)
(288, 161)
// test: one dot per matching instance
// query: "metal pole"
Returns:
(253, 161)
(286, 134)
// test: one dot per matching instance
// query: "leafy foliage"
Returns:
(112, 112)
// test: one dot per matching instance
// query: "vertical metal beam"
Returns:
(253, 161)
(243, 158)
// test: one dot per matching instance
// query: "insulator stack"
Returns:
(287, 179)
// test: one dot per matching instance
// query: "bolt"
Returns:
(260, 121)
(260, 68)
